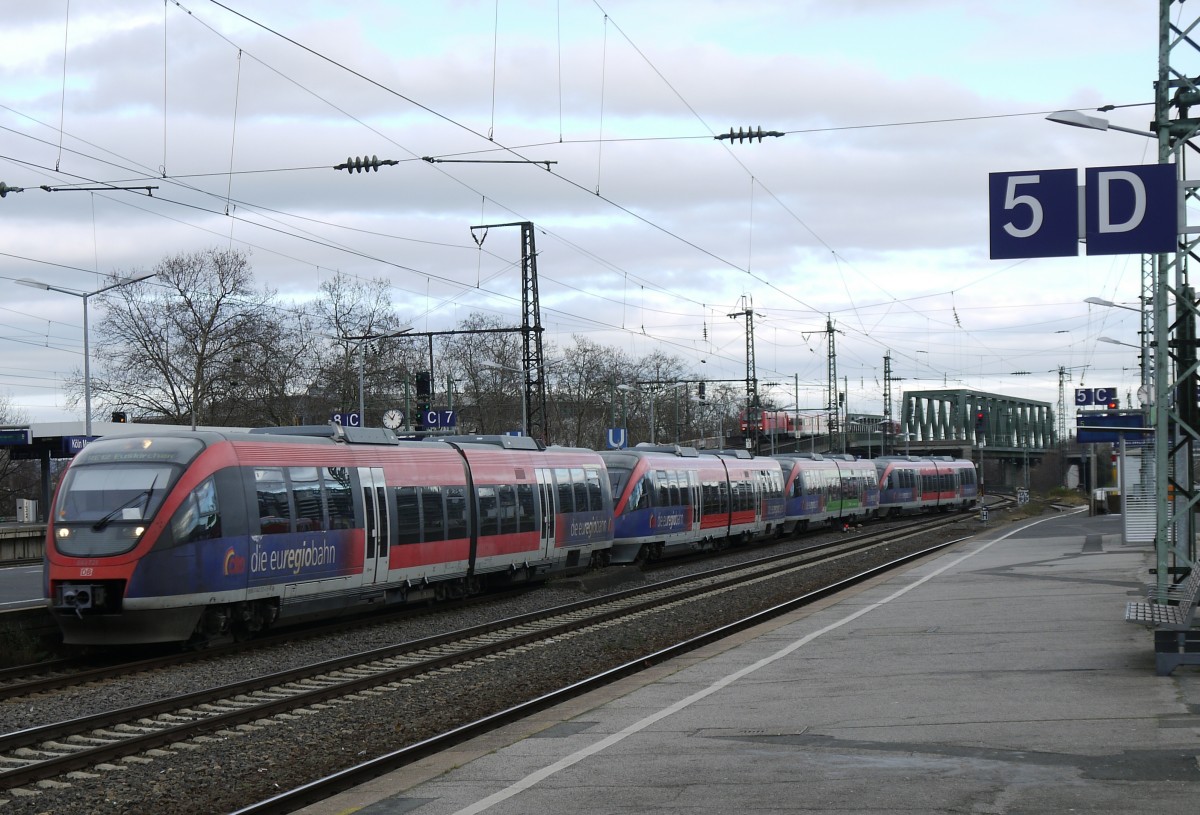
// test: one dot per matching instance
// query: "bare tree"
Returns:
(169, 348)
(356, 321)
(489, 397)
(584, 398)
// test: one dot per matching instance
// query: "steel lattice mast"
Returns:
(1175, 410)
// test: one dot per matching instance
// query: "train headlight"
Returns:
(63, 532)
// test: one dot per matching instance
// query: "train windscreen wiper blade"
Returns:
(146, 494)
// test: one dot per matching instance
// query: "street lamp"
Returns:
(1100, 301)
(1076, 119)
(87, 356)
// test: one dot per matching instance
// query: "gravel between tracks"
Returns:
(226, 772)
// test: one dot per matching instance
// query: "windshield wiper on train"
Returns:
(146, 494)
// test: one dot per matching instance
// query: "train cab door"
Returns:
(378, 524)
(547, 494)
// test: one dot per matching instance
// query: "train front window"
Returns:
(112, 493)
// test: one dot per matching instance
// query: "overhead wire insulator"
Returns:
(358, 164)
(750, 133)
(5, 189)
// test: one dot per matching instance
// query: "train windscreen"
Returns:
(113, 490)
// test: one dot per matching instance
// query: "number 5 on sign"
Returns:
(1033, 214)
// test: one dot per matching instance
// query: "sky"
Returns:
(597, 122)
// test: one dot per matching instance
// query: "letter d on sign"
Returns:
(1105, 179)
(1131, 210)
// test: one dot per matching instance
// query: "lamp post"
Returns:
(362, 339)
(87, 356)
(524, 393)
(675, 386)
(1169, 529)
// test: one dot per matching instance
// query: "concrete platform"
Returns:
(998, 677)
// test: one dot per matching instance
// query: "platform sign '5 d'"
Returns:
(1127, 210)
(1131, 210)
(1034, 214)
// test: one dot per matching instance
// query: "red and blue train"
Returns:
(672, 499)
(195, 535)
(917, 484)
(182, 536)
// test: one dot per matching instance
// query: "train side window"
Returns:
(595, 491)
(306, 492)
(663, 492)
(711, 497)
(526, 510)
(636, 496)
(433, 521)
(198, 517)
(580, 488)
(456, 513)
(566, 495)
(408, 517)
(489, 511)
(274, 508)
(647, 497)
(338, 497)
(506, 499)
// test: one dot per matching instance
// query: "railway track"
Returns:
(40, 677)
(69, 671)
(56, 749)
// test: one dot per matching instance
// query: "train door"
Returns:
(378, 524)
(695, 498)
(546, 495)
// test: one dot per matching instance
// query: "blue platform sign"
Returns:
(1109, 426)
(1086, 397)
(73, 444)
(14, 436)
(440, 418)
(1034, 214)
(352, 419)
(616, 438)
(1131, 210)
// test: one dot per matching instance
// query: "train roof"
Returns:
(733, 452)
(496, 440)
(645, 448)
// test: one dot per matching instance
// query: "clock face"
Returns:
(393, 419)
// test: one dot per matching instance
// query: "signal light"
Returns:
(120, 416)
(700, 391)
(1113, 404)
(979, 417)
